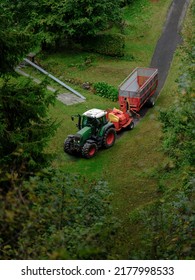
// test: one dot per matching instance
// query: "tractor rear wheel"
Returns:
(89, 150)
(109, 138)
(67, 146)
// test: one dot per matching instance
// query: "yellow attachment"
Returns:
(113, 118)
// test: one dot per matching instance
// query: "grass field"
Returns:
(132, 166)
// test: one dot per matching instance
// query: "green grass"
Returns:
(142, 25)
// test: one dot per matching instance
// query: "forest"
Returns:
(133, 201)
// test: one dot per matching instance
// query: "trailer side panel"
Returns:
(138, 87)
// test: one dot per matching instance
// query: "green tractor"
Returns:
(95, 131)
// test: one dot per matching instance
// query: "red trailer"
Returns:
(137, 89)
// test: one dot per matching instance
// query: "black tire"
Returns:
(151, 102)
(89, 150)
(67, 146)
(130, 126)
(109, 138)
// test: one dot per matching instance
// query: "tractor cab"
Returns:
(94, 118)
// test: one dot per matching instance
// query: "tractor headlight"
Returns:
(77, 138)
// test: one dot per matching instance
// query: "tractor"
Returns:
(95, 131)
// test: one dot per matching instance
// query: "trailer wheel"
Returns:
(151, 102)
(130, 126)
(89, 150)
(109, 138)
(67, 146)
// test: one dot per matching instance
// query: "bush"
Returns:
(105, 90)
(57, 217)
(107, 44)
(124, 3)
(169, 227)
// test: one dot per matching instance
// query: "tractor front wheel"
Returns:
(109, 138)
(89, 150)
(67, 146)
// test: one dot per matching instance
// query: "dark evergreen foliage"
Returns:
(107, 44)
(15, 42)
(24, 128)
(59, 217)
(56, 20)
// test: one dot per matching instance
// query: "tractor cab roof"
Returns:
(94, 113)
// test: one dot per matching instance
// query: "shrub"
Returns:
(107, 44)
(168, 228)
(124, 3)
(60, 216)
(105, 90)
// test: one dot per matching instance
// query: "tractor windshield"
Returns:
(86, 121)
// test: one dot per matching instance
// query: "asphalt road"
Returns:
(169, 40)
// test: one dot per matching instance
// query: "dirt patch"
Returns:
(154, 1)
